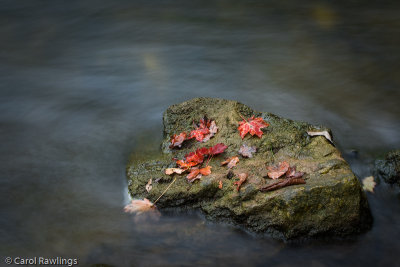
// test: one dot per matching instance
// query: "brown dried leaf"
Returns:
(242, 179)
(277, 171)
(148, 185)
(291, 173)
(232, 161)
(220, 184)
(170, 171)
(283, 183)
(247, 151)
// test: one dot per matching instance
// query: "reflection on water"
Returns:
(83, 84)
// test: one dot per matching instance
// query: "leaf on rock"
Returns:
(292, 173)
(149, 185)
(242, 179)
(138, 206)
(194, 157)
(170, 171)
(213, 129)
(232, 161)
(322, 133)
(252, 126)
(186, 165)
(199, 134)
(204, 130)
(277, 171)
(206, 170)
(217, 149)
(247, 151)
(177, 140)
(197, 173)
(283, 183)
(220, 184)
(369, 184)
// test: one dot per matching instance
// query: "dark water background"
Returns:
(84, 83)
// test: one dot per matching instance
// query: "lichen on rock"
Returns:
(330, 203)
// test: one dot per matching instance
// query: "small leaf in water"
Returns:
(369, 184)
(322, 133)
(149, 185)
(138, 206)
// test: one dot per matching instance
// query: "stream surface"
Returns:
(83, 84)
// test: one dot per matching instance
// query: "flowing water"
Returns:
(83, 84)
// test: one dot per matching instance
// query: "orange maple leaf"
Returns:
(196, 173)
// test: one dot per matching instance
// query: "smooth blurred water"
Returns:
(84, 83)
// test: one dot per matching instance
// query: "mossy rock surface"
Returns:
(389, 168)
(330, 203)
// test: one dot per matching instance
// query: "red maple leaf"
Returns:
(194, 157)
(217, 149)
(252, 126)
(199, 134)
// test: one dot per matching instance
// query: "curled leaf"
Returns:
(283, 183)
(322, 133)
(369, 184)
(292, 173)
(193, 175)
(213, 129)
(177, 140)
(252, 126)
(138, 206)
(170, 171)
(148, 185)
(242, 179)
(247, 151)
(277, 171)
(232, 161)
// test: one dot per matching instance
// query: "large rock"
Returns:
(330, 203)
(389, 168)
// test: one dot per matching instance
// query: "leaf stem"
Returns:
(209, 158)
(164, 191)
(243, 117)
